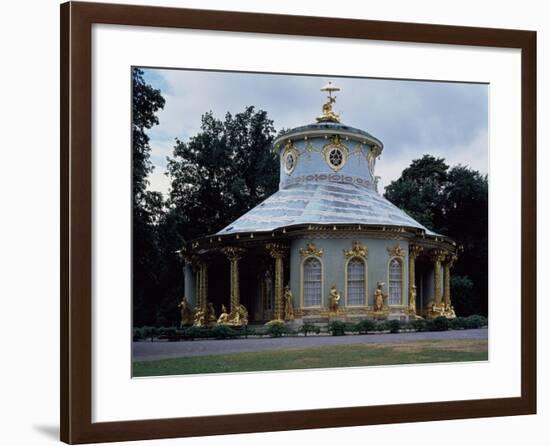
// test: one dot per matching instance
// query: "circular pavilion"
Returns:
(325, 246)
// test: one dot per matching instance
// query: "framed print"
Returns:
(283, 222)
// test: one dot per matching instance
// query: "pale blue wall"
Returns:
(314, 162)
(334, 261)
(189, 285)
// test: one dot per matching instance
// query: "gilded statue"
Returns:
(185, 312)
(412, 300)
(379, 297)
(288, 304)
(199, 317)
(239, 315)
(328, 114)
(450, 312)
(211, 314)
(334, 299)
(224, 316)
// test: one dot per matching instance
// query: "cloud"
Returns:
(159, 181)
(411, 117)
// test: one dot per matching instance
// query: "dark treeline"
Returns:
(228, 168)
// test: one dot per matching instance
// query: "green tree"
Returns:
(453, 202)
(420, 190)
(222, 172)
(147, 205)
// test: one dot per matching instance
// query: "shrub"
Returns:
(365, 326)
(137, 334)
(429, 326)
(419, 324)
(192, 332)
(170, 333)
(337, 328)
(149, 332)
(223, 332)
(246, 332)
(309, 328)
(351, 327)
(276, 330)
(476, 321)
(458, 323)
(381, 326)
(440, 323)
(393, 325)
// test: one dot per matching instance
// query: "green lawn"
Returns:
(319, 357)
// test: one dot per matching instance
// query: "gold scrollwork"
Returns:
(357, 250)
(335, 153)
(396, 251)
(311, 250)
(414, 251)
(290, 157)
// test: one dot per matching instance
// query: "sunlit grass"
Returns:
(319, 357)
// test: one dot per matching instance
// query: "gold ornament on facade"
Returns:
(335, 153)
(277, 250)
(396, 251)
(290, 157)
(311, 250)
(334, 298)
(357, 250)
(415, 250)
(233, 252)
(438, 255)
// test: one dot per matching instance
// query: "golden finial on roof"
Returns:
(328, 114)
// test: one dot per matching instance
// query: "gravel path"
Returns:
(147, 351)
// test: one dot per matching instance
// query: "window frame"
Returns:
(302, 281)
(401, 260)
(365, 281)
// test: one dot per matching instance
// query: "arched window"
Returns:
(356, 281)
(312, 282)
(396, 281)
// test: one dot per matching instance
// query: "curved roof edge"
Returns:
(328, 128)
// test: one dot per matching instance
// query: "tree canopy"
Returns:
(147, 205)
(227, 165)
(453, 202)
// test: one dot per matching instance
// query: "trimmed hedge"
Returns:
(337, 328)
(276, 330)
(476, 321)
(309, 328)
(366, 325)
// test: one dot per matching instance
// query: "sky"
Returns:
(410, 117)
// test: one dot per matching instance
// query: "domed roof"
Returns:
(328, 128)
(322, 203)
(327, 178)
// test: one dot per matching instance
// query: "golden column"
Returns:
(414, 252)
(437, 257)
(203, 285)
(450, 260)
(234, 254)
(278, 252)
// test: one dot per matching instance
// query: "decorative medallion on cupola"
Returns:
(290, 157)
(335, 153)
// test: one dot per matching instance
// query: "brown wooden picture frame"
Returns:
(76, 221)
